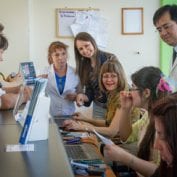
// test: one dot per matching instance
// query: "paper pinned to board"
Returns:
(93, 23)
(103, 139)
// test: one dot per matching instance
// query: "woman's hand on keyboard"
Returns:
(72, 125)
(79, 116)
(77, 125)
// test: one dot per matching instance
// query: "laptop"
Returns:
(60, 119)
(28, 72)
(20, 111)
(19, 101)
(84, 151)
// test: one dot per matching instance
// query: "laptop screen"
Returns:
(18, 101)
(28, 72)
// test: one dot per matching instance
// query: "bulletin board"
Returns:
(65, 17)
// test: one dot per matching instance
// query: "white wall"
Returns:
(14, 16)
(42, 29)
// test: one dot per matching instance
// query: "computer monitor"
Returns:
(28, 72)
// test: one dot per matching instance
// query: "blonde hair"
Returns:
(112, 65)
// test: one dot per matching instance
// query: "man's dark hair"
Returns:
(171, 9)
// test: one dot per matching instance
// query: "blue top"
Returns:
(60, 82)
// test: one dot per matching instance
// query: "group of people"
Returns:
(153, 125)
(145, 112)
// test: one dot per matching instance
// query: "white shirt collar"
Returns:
(175, 48)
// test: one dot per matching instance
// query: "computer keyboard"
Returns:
(60, 119)
(83, 151)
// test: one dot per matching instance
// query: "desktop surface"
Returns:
(6, 117)
(47, 160)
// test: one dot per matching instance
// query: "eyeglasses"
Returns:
(165, 27)
(109, 76)
(134, 89)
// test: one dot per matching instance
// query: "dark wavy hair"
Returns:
(165, 110)
(148, 78)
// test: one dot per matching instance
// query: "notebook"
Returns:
(28, 72)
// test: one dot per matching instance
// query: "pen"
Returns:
(92, 162)
(74, 141)
(79, 164)
(83, 165)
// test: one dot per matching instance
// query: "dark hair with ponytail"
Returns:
(148, 77)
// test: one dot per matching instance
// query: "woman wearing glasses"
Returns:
(165, 21)
(148, 86)
(112, 81)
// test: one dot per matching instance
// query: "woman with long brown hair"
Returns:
(89, 59)
(165, 116)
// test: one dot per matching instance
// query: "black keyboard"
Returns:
(60, 119)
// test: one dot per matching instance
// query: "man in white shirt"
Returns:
(165, 21)
(9, 95)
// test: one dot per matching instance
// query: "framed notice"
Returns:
(132, 21)
(67, 16)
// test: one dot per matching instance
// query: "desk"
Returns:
(94, 146)
(48, 160)
(6, 117)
